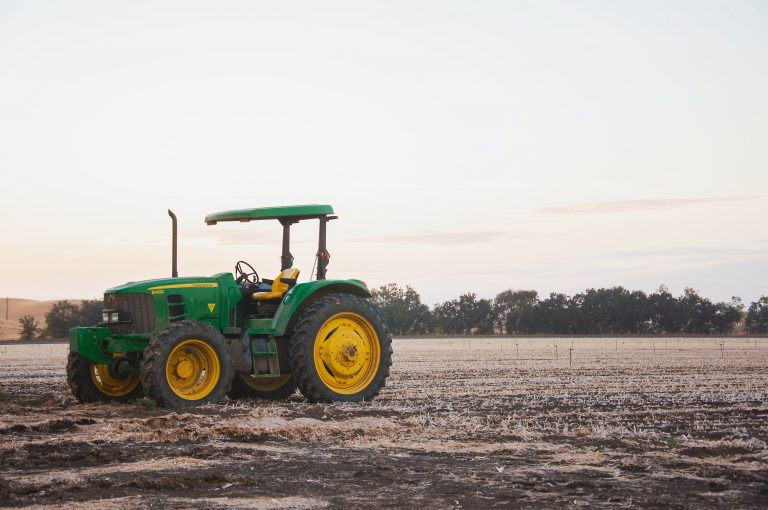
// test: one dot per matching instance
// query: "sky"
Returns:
(466, 146)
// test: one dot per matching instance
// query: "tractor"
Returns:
(188, 341)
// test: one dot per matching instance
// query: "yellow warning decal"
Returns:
(200, 285)
(211, 306)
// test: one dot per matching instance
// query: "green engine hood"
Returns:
(161, 285)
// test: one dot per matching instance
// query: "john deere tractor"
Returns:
(190, 341)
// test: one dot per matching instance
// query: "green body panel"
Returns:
(90, 343)
(259, 326)
(299, 294)
(203, 299)
(290, 212)
(209, 299)
(212, 300)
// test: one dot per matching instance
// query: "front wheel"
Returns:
(340, 350)
(186, 364)
(92, 382)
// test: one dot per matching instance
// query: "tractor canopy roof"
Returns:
(290, 213)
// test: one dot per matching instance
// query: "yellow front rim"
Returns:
(110, 385)
(265, 383)
(347, 353)
(193, 369)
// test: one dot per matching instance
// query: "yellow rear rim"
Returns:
(110, 385)
(347, 353)
(265, 383)
(192, 369)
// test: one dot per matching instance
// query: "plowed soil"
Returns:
(481, 423)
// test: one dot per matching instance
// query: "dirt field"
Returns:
(478, 423)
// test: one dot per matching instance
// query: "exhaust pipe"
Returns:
(174, 269)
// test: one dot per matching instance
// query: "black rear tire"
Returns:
(314, 377)
(187, 358)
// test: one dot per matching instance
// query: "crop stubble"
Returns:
(472, 423)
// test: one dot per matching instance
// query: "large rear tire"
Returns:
(91, 382)
(340, 350)
(246, 386)
(187, 364)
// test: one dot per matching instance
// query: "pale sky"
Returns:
(466, 146)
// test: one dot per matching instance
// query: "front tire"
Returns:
(340, 350)
(187, 364)
(91, 382)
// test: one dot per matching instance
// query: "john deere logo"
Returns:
(211, 306)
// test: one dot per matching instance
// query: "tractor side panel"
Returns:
(305, 293)
(90, 343)
(210, 302)
(154, 305)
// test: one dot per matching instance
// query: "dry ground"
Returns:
(481, 423)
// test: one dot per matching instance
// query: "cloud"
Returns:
(689, 251)
(446, 238)
(639, 205)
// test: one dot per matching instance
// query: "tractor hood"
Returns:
(160, 285)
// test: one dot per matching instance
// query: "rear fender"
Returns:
(304, 294)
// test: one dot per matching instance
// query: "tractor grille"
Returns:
(141, 307)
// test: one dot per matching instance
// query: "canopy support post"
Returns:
(286, 259)
(322, 253)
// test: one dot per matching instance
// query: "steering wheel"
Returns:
(243, 276)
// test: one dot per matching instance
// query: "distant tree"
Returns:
(465, 315)
(65, 315)
(516, 311)
(697, 312)
(29, 327)
(89, 313)
(702, 316)
(479, 312)
(666, 314)
(610, 311)
(757, 316)
(556, 314)
(446, 317)
(727, 315)
(402, 309)
(60, 318)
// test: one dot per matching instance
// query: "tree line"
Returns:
(612, 311)
(604, 311)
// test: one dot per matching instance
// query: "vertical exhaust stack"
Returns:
(174, 267)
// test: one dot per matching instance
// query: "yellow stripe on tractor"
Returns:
(201, 285)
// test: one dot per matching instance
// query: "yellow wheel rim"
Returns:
(110, 385)
(265, 383)
(347, 353)
(193, 369)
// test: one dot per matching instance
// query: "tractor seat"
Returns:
(279, 288)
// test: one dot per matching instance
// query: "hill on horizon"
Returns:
(10, 329)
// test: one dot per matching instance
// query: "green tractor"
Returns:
(190, 341)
